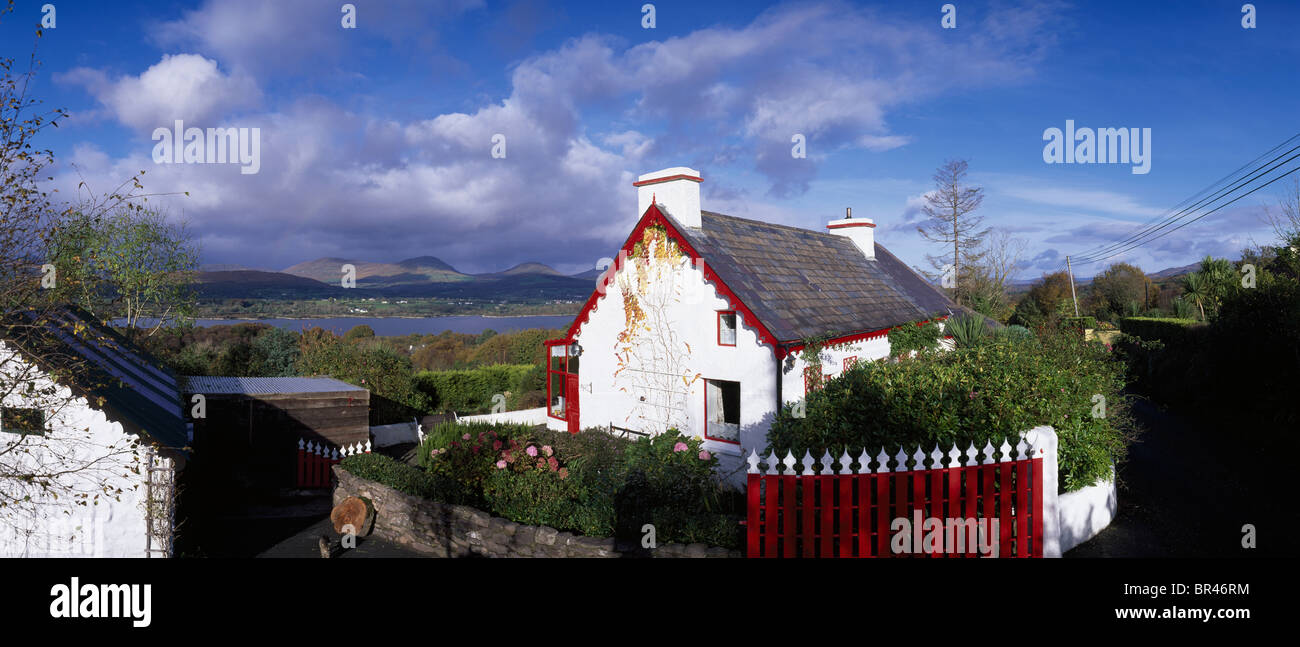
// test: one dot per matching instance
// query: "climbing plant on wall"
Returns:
(650, 354)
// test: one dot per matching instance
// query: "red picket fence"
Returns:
(847, 514)
(316, 458)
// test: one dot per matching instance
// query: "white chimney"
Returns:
(676, 190)
(859, 230)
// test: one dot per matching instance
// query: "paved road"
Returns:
(1188, 487)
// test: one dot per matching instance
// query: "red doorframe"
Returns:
(571, 402)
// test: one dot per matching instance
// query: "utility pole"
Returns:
(1074, 298)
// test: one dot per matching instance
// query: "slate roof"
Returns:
(211, 385)
(802, 283)
(97, 361)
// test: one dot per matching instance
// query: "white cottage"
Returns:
(702, 321)
(92, 435)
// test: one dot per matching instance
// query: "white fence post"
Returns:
(1043, 442)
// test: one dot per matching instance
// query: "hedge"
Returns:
(1168, 330)
(980, 394)
(473, 389)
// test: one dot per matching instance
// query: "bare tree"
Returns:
(46, 453)
(984, 282)
(949, 209)
(1285, 219)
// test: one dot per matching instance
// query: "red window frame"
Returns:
(706, 414)
(551, 374)
(737, 327)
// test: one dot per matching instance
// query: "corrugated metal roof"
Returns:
(212, 385)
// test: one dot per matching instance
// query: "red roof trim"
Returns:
(842, 225)
(845, 339)
(670, 178)
(653, 216)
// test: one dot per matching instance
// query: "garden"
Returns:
(593, 483)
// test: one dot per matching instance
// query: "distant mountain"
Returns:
(591, 274)
(527, 268)
(223, 267)
(250, 284)
(423, 269)
(421, 277)
(1174, 271)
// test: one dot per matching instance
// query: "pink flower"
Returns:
(508, 456)
(532, 451)
(564, 473)
(496, 445)
(541, 463)
(465, 437)
(546, 449)
(554, 464)
(680, 447)
(501, 465)
(704, 456)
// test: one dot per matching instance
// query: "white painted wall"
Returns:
(83, 439)
(607, 398)
(523, 416)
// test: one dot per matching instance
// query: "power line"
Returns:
(1204, 214)
(1104, 248)
(1253, 175)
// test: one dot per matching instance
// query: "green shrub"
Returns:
(472, 390)
(1079, 323)
(1010, 334)
(405, 478)
(920, 337)
(1170, 331)
(972, 395)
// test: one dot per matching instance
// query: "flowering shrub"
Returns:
(591, 483)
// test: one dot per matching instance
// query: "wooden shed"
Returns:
(249, 431)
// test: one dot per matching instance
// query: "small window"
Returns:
(726, 329)
(17, 420)
(722, 411)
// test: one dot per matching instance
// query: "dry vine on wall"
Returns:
(652, 358)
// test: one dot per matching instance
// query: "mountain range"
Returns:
(423, 276)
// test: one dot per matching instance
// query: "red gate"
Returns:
(962, 509)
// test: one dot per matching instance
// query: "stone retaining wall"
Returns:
(445, 530)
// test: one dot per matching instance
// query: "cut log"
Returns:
(353, 511)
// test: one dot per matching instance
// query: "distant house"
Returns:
(700, 323)
(250, 427)
(100, 422)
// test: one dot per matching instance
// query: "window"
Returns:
(17, 420)
(812, 380)
(722, 411)
(727, 328)
(562, 360)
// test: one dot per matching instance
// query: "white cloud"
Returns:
(183, 86)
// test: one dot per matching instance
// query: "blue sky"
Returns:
(375, 142)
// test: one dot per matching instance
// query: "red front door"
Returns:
(571, 402)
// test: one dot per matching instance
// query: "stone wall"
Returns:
(445, 530)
